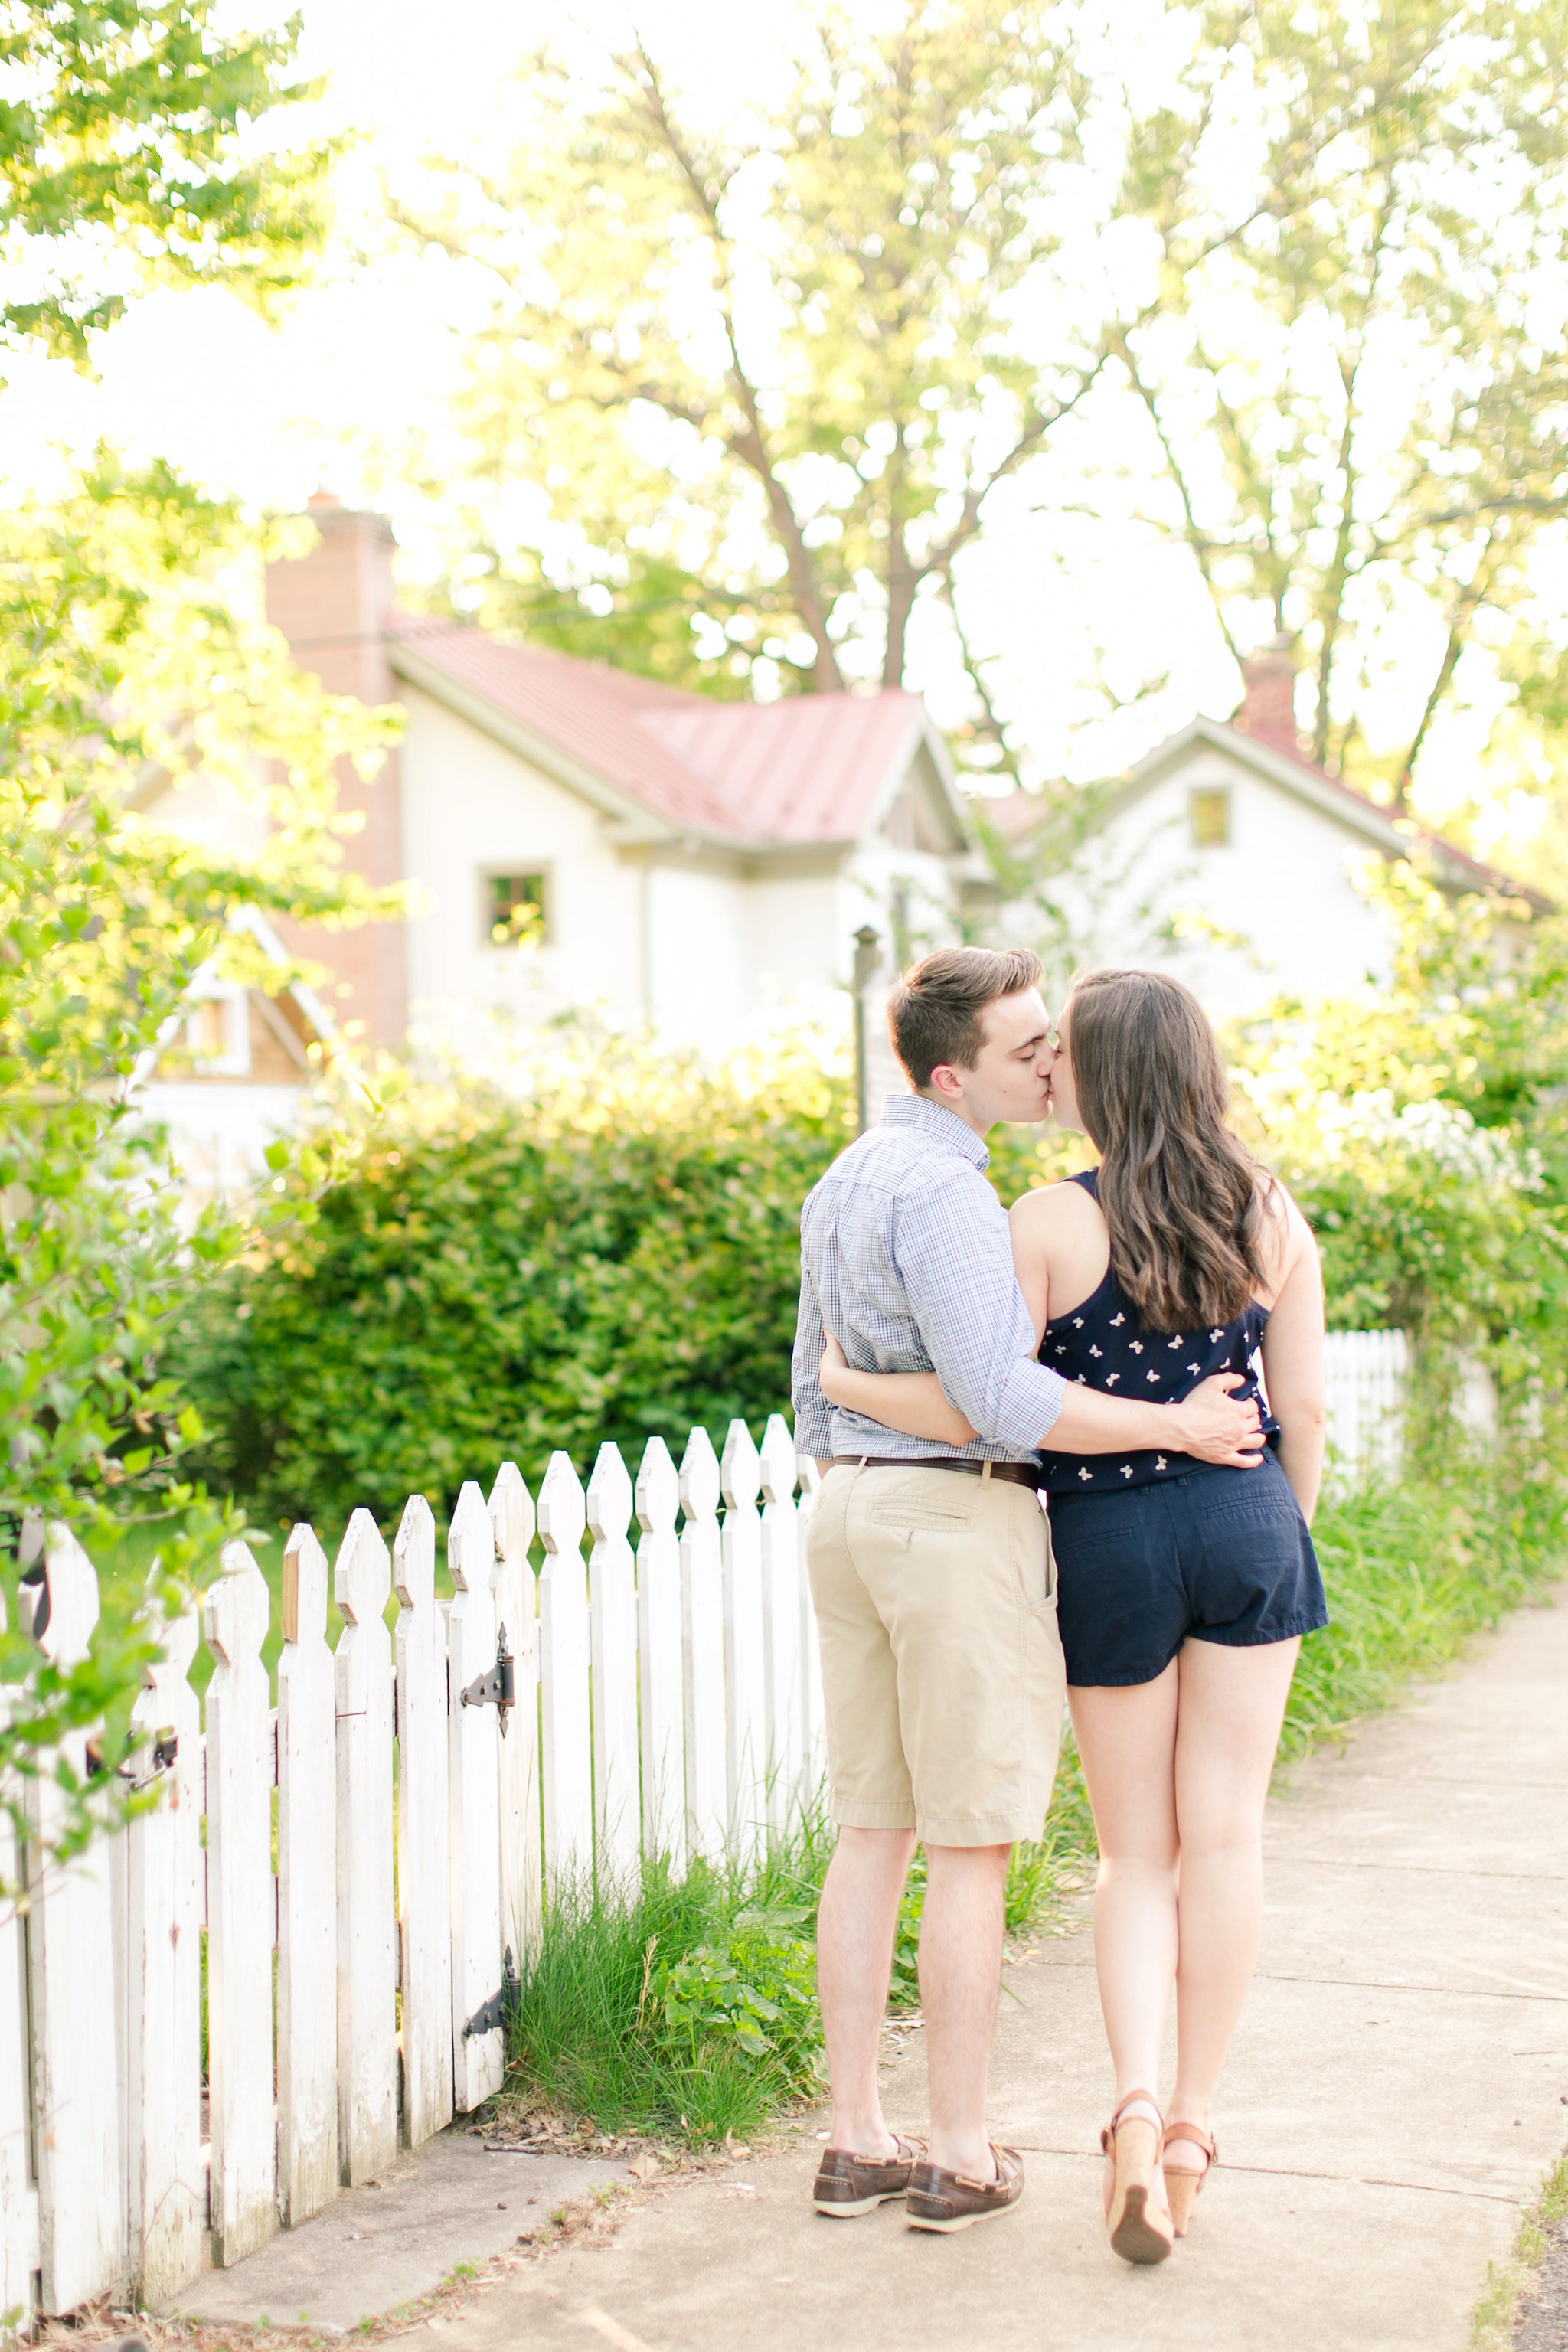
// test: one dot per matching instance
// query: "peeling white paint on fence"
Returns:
(306, 1890)
(477, 2058)
(81, 2201)
(367, 1957)
(424, 1830)
(567, 1762)
(781, 1603)
(166, 2195)
(612, 1650)
(18, 2197)
(241, 1911)
(663, 1702)
(702, 1647)
(516, 1608)
(745, 1687)
(660, 1678)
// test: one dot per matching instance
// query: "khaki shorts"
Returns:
(941, 1671)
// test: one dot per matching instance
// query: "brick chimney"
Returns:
(334, 607)
(1268, 701)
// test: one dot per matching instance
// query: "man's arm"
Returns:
(955, 1260)
(1208, 1422)
(812, 1413)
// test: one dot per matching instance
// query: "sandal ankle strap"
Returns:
(1200, 2140)
(1132, 2099)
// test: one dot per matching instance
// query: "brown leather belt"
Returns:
(1016, 1473)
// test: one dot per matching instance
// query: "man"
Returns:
(931, 1574)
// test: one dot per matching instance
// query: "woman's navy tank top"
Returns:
(1103, 1345)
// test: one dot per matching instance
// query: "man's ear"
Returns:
(946, 1080)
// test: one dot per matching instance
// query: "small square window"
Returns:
(514, 911)
(1208, 808)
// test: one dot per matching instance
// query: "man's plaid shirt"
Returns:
(905, 1258)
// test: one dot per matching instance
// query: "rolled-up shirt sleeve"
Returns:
(812, 1413)
(956, 1260)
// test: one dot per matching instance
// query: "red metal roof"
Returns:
(806, 769)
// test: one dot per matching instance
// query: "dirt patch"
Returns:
(1541, 2325)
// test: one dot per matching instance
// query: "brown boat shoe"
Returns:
(950, 2200)
(848, 2184)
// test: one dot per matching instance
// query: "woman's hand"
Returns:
(834, 1362)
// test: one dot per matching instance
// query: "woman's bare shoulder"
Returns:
(1286, 1233)
(1054, 1208)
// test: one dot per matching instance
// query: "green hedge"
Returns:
(502, 1277)
(610, 1248)
(498, 1276)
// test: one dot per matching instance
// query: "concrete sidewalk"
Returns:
(1395, 2093)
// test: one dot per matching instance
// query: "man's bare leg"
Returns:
(855, 1926)
(961, 1981)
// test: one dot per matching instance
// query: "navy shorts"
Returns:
(1219, 1555)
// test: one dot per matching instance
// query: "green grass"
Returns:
(653, 2014)
(1492, 2323)
(1412, 1572)
(635, 2014)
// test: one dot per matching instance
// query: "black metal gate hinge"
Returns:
(497, 2012)
(499, 1687)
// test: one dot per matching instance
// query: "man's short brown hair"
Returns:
(934, 1013)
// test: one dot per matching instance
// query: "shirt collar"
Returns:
(943, 1126)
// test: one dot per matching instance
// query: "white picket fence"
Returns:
(432, 1782)
(1366, 1374)
(368, 1860)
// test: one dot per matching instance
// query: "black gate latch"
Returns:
(499, 1687)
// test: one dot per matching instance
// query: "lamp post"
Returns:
(868, 957)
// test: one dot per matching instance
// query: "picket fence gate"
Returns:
(421, 1788)
(367, 1861)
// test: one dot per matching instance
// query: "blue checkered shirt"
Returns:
(905, 1258)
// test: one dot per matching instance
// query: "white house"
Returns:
(583, 836)
(579, 836)
(1228, 857)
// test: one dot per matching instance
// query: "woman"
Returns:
(1182, 1591)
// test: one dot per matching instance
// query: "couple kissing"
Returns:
(1051, 1466)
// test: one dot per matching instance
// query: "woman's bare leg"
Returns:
(1230, 1707)
(1127, 1738)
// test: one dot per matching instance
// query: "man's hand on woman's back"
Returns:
(1217, 1427)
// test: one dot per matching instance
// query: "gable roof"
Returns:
(1395, 837)
(815, 770)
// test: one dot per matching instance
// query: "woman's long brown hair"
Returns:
(1182, 1198)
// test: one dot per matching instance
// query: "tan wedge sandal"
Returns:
(1140, 2230)
(1182, 2186)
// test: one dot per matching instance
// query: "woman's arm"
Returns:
(911, 1401)
(1293, 1362)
